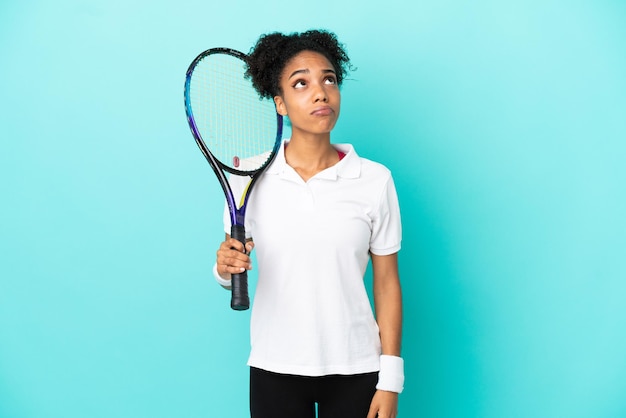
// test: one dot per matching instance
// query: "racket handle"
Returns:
(239, 299)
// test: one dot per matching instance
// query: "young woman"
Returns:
(318, 215)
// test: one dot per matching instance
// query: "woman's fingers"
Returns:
(231, 258)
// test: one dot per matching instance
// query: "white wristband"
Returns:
(220, 280)
(391, 374)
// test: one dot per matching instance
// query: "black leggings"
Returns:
(274, 395)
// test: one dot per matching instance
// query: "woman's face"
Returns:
(309, 94)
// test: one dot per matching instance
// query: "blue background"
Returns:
(504, 125)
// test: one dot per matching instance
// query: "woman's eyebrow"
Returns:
(307, 71)
(302, 71)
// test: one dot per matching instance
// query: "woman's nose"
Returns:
(320, 94)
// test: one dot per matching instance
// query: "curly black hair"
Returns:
(268, 57)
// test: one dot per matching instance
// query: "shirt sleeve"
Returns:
(387, 225)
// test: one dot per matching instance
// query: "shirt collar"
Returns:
(349, 167)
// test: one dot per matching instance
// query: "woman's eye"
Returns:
(331, 80)
(299, 84)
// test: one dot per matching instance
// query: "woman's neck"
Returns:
(309, 155)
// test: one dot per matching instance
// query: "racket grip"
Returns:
(239, 299)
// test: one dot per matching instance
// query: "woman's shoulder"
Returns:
(374, 166)
(368, 166)
(374, 169)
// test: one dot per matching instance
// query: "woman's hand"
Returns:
(384, 405)
(231, 258)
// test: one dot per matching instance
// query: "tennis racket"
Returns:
(237, 132)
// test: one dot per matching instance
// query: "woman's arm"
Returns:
(388, 306)
(388, 302)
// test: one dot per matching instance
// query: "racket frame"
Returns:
(239, 288)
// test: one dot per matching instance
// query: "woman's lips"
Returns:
(322, 111)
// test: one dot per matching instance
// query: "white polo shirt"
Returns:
(311, 315)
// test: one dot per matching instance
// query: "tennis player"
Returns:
(319, 214)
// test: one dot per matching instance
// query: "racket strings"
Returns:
(235, 124)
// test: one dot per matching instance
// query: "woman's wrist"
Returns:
(223, 282)
(391, 374)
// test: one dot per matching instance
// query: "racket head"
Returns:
(227, 117)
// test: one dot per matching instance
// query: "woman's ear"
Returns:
(280, 106)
